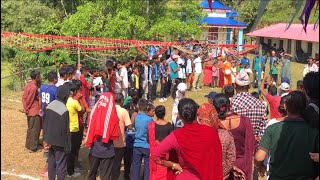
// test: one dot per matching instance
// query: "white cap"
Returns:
(182, 87)
(285, 86)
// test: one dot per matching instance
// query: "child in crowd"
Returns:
(248, 70)
(140, 146)
(300, 86)
(215, 74)
(92, 98)
(274, 71)
(151, 110)
(240, 67)
(179, 92)
(132, 107)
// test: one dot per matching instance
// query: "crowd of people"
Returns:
(235, 135)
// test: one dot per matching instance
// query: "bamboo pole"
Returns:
(55, 62)
(78, 52)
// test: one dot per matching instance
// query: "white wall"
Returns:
(217, 14)
(315, 48)
(222, 35)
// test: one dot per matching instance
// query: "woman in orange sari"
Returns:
(157, 131)
(207, 77)
(227, 71)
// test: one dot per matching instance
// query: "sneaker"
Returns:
(165, 99)
(161, 100)
(74, 175)
(79, 168)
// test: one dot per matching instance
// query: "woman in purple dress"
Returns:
(242, 132)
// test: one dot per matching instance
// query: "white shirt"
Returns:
(117, 84)
(97, 81)
(189, 66)
(124, 76)
(182, 71)
(197, 65)
(60, 82)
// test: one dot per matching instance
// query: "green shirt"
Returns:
(289, 143)
(274, 69)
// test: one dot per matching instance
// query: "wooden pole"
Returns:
(20, 72)
(78, 52)
(55, 62)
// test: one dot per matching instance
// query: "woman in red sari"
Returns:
(207, 77)
(242, 132)
(221, 73)
(197, 146)
(157, 131)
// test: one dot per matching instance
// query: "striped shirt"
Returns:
(162, 71)
(245, 104)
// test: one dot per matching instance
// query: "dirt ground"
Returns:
(16, 160)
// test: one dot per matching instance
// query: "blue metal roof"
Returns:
(232, 13)
(215, 5)
(222, 21)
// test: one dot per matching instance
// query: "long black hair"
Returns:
(175, 87)
(187, 109)
(222, 104)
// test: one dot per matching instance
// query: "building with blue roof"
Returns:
(219, 27)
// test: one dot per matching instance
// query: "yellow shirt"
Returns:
(137, 81)
(74, 108)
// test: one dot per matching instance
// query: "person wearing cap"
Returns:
(284, 89)
(210, 96)
(244, 104)
(197, 67)
(179, 92)
(286, 66)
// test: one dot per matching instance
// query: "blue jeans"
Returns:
(138, 154)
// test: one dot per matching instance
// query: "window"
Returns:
(269, 42)
(261, 39)
(281, 44)
(309, 49)
(289, 46)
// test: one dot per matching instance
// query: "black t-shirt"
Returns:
(162, 131)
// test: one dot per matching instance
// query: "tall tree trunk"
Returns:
(148, 14)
